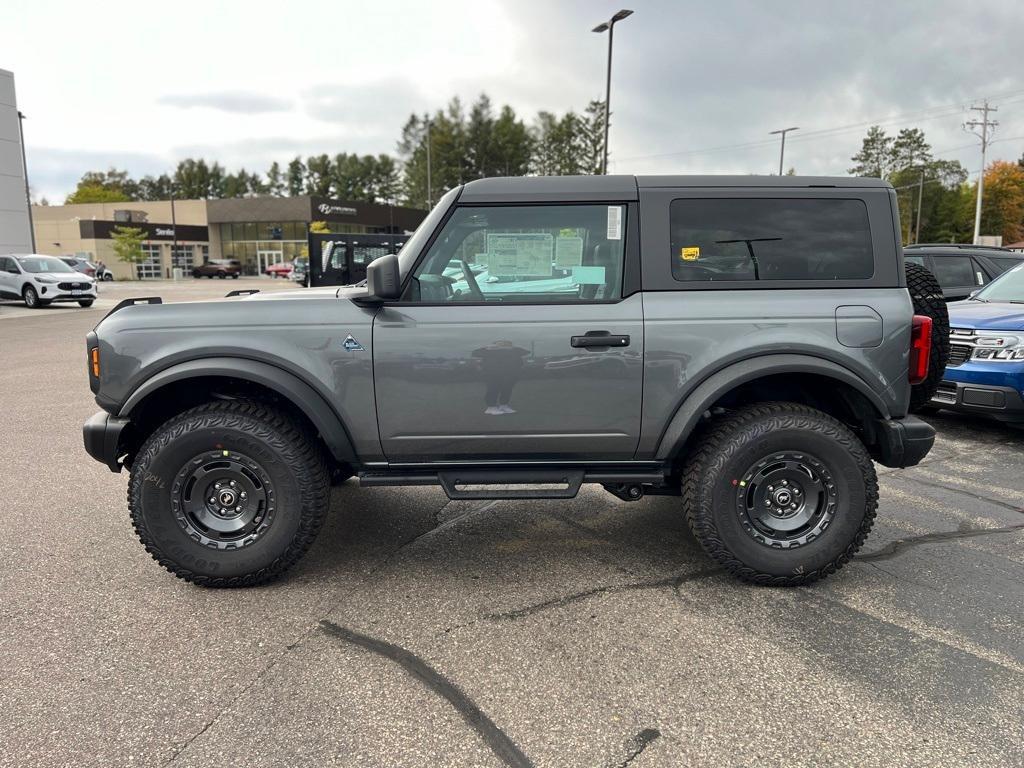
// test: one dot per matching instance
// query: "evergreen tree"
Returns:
(275, 180)
(296, 177)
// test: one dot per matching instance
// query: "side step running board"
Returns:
(495, 483)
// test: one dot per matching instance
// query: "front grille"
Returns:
(958, 354)
(73, 286)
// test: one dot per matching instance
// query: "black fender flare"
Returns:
(327, 422)
(705, 394)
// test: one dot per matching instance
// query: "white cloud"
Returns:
(125, 87)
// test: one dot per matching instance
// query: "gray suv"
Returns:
(746, 344)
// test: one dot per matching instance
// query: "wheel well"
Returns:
(832, 396)
(176, 397)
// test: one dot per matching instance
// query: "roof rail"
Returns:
(966, 246)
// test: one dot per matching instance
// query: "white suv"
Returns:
(39, 280)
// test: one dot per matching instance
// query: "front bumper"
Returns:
(102, 434)
(996, 401)
(56, 293)
(902, 442)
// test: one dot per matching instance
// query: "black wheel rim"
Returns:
(223, 499)
(786, 499)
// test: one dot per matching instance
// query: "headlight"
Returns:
(46, 280)
(997, 346)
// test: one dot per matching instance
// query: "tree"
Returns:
(1002, 208)
(941, 215)
(296, 177)
(128, 244)
(112, 186)
(513, 145)
(593, 137)
(158, 188)
(910, 150)
(876, 155)
(318, 175)
(275, 180)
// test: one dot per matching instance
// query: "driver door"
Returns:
(513, 340)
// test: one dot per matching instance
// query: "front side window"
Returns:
(770, 239)
(526, 254)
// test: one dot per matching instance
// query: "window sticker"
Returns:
(568, 252)
(689, 253)
(614, 222)
(481, 259)
(588, 275)
(520, 254)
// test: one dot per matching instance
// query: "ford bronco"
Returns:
(747, 344)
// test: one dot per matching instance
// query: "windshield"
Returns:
(37, 264)
(1009, 286)
(415, 244)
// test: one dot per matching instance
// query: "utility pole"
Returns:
(174, 232)
(985, 124)
(430, 191)
(24, 169)
(782, 149)
(920, 195)
(610, 27)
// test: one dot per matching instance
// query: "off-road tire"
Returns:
(86, 303)
(926, 295)
(289, 455)
(733, 443)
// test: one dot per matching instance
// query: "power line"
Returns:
(930, 113)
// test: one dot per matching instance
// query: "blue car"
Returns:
(985, 372)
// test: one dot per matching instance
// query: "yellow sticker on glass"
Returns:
(691, 253)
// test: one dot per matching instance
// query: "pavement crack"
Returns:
(500, 744)
(636, 745)
(895, 548)
(962, 491)
(673, 582)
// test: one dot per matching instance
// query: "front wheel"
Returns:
(31, 297)
(780, 494)
(229, 494)
(86, 303)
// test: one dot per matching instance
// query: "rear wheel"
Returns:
(229, 494)
(779, 493)
(926, 296)
(222, 275)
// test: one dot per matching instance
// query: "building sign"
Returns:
(322, 209)
(93, 229)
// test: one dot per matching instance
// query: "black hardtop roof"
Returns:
(598, 188)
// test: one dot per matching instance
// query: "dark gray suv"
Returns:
(746, 344)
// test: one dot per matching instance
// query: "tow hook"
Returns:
(625, 491)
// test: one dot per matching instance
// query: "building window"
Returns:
(150, 267)
(183, 256)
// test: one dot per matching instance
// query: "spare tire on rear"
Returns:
(926, 295)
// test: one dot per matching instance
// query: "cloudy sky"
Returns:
(696, 86)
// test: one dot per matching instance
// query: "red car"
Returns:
(284, 269)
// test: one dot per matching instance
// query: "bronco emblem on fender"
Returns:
(351, 345)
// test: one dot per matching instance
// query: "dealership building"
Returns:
(257, 231)
(15, 230)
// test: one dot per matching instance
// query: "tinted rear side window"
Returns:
(770, 239)
(953, 270)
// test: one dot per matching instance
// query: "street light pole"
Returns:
(24, 169)
(430, 202)
(610, 27)
(782, 149)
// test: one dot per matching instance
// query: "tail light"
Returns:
(920, 348)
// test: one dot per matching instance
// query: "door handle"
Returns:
(604, 339)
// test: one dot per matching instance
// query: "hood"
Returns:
(329, 291)
(64, 277)
(996, 316)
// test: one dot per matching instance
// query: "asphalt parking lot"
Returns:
(422, 632)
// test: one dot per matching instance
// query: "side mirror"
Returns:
(973, 293)
(383, 279)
